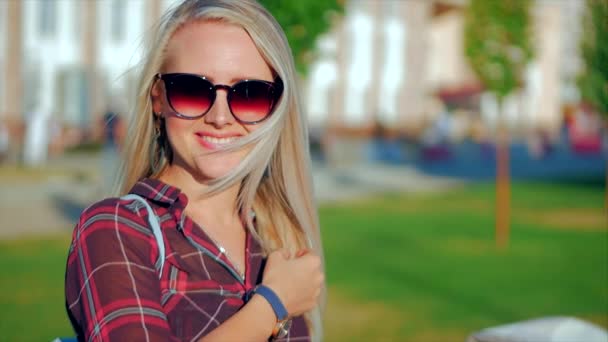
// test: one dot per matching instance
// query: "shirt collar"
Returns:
(158, 191)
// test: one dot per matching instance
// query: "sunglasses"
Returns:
(192, 96)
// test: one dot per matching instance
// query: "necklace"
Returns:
(225, 252)
(235, 268)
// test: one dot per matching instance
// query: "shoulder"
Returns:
(112, 227)
(114, 214)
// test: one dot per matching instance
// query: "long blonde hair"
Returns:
(275, 176)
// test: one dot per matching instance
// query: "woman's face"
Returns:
(224, 54)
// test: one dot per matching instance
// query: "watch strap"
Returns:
(273, 299)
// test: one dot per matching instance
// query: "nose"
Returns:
(219, 115)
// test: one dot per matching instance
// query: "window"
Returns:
(3, 55)
(118, 20)
(3, 28)
(72, 96)
(2, 83)
(391, 8)
(47, 17)
(31, 87)
(78, 15)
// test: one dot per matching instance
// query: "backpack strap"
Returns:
(155, 225)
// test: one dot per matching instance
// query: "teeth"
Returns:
(219, 141)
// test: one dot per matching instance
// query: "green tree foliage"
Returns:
(497, 42)
(593, 82)
(303, 21)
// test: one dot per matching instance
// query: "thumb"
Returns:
(285, 253)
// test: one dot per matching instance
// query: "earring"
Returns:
(157, 147)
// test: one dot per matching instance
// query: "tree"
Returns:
(497, 45)
(303, 22)
(593, 81)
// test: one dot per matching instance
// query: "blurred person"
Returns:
(218, 149)
(55, 145)
(585, 130)
(4, 141)
(113, 135)
(37, 136)
(539, 143)
(113, 130)
(435, 139)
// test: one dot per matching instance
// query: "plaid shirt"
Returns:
(113, 292)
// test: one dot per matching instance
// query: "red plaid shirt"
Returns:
(113, 292)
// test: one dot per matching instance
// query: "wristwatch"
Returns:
(281, 329)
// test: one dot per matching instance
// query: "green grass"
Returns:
(401, 268)
(31, 289)
(431, 260)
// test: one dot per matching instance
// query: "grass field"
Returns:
(401, 268)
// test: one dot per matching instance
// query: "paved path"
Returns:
(52, 204)
(47, 205)
(346, 183)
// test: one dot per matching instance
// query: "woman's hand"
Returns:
(297, 281)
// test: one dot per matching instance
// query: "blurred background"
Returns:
(459, 151)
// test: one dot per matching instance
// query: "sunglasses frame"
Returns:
(276, 86)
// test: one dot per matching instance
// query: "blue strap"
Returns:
(155, 225)
(273, 299)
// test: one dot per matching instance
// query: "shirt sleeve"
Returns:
(112, 288)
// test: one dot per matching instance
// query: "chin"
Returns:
(217, 167)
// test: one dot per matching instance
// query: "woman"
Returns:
(218, 149)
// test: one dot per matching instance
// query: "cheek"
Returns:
(177, 128)
(252, 128)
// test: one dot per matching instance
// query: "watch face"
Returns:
(283, 328)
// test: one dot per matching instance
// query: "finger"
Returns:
(285, 253)
(302, 252)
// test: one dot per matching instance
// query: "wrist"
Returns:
(273, 299)
(265, 316)
(283, 323)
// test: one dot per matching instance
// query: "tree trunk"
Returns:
(503, 187)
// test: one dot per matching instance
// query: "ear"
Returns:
(156, 95)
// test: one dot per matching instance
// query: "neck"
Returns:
(220, 207)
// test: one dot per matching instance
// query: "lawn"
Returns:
(401, 267)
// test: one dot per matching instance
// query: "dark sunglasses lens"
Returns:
(251, 101)
(190, 95)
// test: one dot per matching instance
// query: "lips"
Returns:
(213, 141)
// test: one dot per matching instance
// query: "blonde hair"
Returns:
(286, 215)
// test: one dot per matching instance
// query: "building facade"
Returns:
(70, 60)
(399, 64)
(389, 64)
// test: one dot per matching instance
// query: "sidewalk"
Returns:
(367, 179)
(52, 205)
(46, 205)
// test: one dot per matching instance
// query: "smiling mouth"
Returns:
(218, 141)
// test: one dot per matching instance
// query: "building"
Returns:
(399, 64)
(70, 60)
(394, 65)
